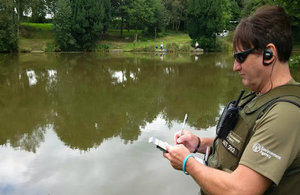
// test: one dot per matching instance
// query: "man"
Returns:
(260, 154)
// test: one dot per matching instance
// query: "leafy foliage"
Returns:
(176, 13)
(80, 23)
(294, 62)
(8, 27)
(62, 26)
(204, 20)
(38, 9)
(146, 14)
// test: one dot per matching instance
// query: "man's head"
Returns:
(268, 25)
(259, 41)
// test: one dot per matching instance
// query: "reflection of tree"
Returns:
(92, 107)
(196, 89)
(88, 103)
(23, 108)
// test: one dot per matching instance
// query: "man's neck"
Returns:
(280, 75)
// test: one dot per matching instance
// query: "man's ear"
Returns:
(269, 54)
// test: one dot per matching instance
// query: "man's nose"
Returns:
(236, 66)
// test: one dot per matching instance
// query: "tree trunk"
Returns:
(173, 25)
(18, 22)
(136, 35)
(178, 26)
(122, 23)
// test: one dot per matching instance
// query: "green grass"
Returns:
(38, 26)
(36, 31)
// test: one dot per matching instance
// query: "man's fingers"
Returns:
(167, 154)
(177, 135)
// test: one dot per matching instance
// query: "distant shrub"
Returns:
(185, 48)
(208, 44)
(223, 45)
(150, 48)
(100, 48)
(172, 47)
(294, 62)
(144, 49)
(51, 47)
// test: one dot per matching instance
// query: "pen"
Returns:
(183, 124)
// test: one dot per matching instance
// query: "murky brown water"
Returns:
(79, 123)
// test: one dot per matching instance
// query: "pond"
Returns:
(79, 123)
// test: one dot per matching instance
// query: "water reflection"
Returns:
(89, 98)
(31, 77)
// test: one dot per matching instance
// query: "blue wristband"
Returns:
(184, 163)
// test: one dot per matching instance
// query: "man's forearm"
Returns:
(205, 142)
(213, 181)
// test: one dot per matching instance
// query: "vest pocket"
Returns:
(229, 150)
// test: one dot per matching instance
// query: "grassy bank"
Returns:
(126, 43)
(40, 37)
(35, 37)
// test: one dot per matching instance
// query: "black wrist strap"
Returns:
(198, 146)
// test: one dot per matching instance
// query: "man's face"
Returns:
(254, 75)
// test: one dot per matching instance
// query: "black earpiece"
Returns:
(268, 54)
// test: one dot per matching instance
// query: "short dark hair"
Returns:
(269, 24)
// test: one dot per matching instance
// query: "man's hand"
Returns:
(176, 155)
(189, 140)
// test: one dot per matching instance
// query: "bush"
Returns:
(100, 48)
(185, 48)
(150, 48)
(294, 62)
(172, 47)
(208, 44)
(8, 27)
(51, 47)
(146, 48)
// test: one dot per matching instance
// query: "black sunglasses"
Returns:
(241, 56)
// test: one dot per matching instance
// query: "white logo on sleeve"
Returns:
(257, 148)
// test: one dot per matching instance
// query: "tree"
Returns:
(38, 10)
(22, 6)
(87, 22)
(235, 9)
(159, 22)
(51, 6)
(292, 7)
(204, 21)
(82, 22)
(107, 15)
(176, 11)
(62, 26)
(231, 12)
(146, 15)
(120, 10)
(140, 14)
(8, 26)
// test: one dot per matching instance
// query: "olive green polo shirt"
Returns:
(275, 145)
